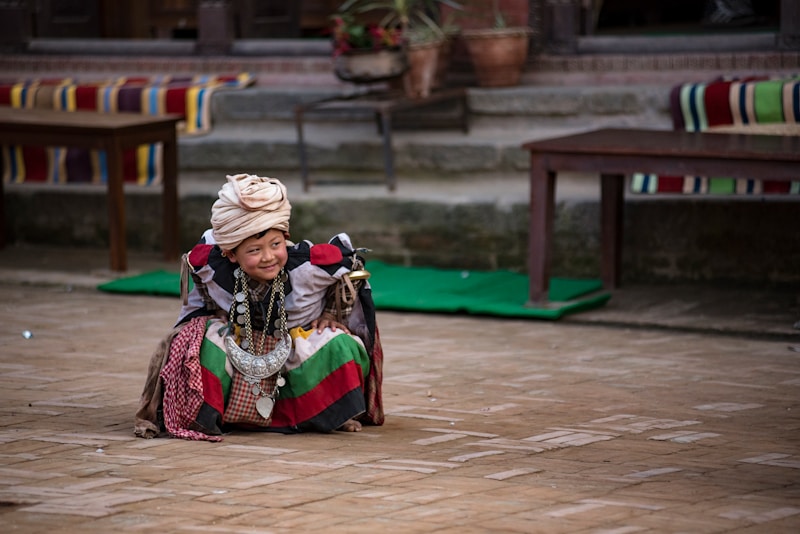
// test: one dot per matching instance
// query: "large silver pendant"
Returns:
(264, 407)
(261, 365)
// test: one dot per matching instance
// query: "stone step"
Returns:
(555, 103)
(300, 63)
(254, 128)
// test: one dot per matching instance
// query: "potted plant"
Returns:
(423, 37)
(366, 52)
(424, 51)
(499, 51)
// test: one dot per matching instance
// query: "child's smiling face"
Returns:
(262, 258)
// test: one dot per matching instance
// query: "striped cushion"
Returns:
(186, 96)
(741, 104)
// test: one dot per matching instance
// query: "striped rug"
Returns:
(753, 105)
(186, 96)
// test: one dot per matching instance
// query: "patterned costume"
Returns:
(330, 376)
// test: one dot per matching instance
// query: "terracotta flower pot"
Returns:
(498, 55)
(418, 81)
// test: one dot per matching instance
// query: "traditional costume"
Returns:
(243, 353)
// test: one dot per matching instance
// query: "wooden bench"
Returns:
(112, 133)
(615, 153)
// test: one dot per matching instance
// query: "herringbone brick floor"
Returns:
(492, 426)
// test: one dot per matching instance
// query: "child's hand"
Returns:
(327, 321)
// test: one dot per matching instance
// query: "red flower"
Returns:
(347, 35)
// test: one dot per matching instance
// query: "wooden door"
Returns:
(315, 18)
(172, 19)
(261, 19)
(67, 18)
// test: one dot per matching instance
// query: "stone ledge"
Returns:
(689, 239)
(276, 103)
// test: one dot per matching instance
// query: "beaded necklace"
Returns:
(257, 365)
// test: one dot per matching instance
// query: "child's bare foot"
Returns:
(351, 425)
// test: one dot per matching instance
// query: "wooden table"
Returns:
(614, 153)
(384, 104)
(113, 133)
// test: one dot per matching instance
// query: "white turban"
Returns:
(249, 205)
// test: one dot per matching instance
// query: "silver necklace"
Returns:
(257, 366)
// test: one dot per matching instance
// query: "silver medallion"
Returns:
(245, 344)
(264, 406)
(239, 297)
(241, 308)
(256, 389)
(280, 382)
(258, 366)
(240, 319)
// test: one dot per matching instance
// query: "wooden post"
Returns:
(789, 34)
(612, 202)
(562, 21)
(215, 31)
(116, 206)
(540, 229)
(15, 25)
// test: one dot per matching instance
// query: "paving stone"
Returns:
(492, 426)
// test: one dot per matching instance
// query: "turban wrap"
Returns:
(249, 205)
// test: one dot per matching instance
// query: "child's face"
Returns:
(261, 257)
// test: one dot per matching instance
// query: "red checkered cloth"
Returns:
(183, 382)
(241, 409)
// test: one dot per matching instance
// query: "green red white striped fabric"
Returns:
(696, 107)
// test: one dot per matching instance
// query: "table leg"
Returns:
(301, 147)
(2, 214)
(611, 224)
(116, 206)
(169, 201)
(540, 234)
(464, 111)
(388, 156)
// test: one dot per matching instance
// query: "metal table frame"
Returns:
(383, 104)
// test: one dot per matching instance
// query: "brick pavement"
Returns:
(492, 426)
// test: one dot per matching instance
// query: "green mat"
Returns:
(422, 289)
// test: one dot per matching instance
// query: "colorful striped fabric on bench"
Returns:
(738, 105)
(158, 95)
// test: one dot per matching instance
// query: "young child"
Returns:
(263, 339)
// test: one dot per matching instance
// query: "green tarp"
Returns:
(424, 289)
